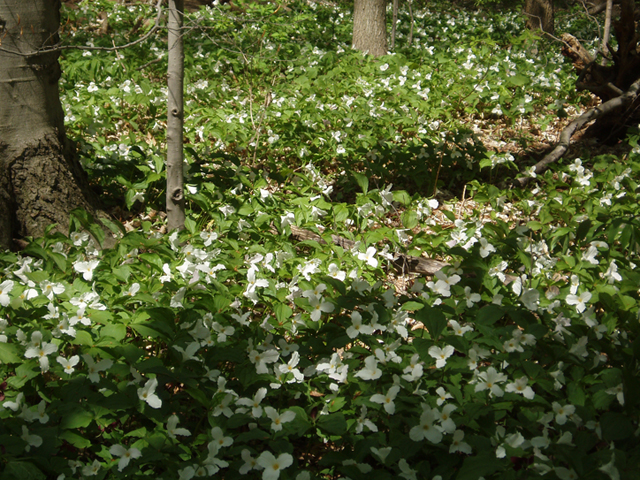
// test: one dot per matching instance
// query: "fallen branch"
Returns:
(403, 263)
(596, 9)
(624, 100)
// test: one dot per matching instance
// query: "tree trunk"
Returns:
(175, 118)
(539, 15)
(369, 26)
(41, 181)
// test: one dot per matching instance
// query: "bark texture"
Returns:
(40, 179)
(540, 15)
(369, 26)
(175, 118)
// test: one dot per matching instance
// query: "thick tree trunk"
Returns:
(539, 15)
(369, 26)
(175, 118)
(40, 179)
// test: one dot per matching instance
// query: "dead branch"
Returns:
(601, 7)
(607, 31)
(574, 50)
(403, 263)
(620, 102)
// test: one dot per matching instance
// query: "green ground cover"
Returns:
(231, 350)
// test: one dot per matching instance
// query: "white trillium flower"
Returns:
(272, 465)
(387, 400)
(406, 471)
(357, 327)
(277, 419)
(86, 268)
(520, 386)
(457, 445)
(250, 463)
(125, 454)
(618, 391)
(441, 354)
(580, 301)
(5, 290)
(31, 439)
(489, 380)
(562, 412)
(147, 394)
(172, 429)
(369, 257)
(254, 404)
(68, 363)
(94, 367)
(370, 370)
(40, 352)
(426, 428)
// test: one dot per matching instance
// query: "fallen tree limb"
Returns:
(403, 263)
(624, 100)
(601, 7)
(573, 49)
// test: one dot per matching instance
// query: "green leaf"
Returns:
(583, 229)
(9, 353)
(122, 273)
(489, 314)
(113, 225)
(24, 373)
(340, 212)
(82, 338)
(575, 394)
(601, 399)
(77, 418)
(433, 319)
(74, 439)
(336, 404)
(412, 306)
(246, 209)
(534, 225)
(221, 303)
(138, 433)
(255, 434)
(334, 423)
(22, 471)
(519, 80)
(115, 331)
(191, 225)
(362, 181)
(616, 426)
(409, 219)
(282, 311)
(401, 197)
(60, 260)
(145, 331)
(478, 466)
(199, 396)
(238, 420)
